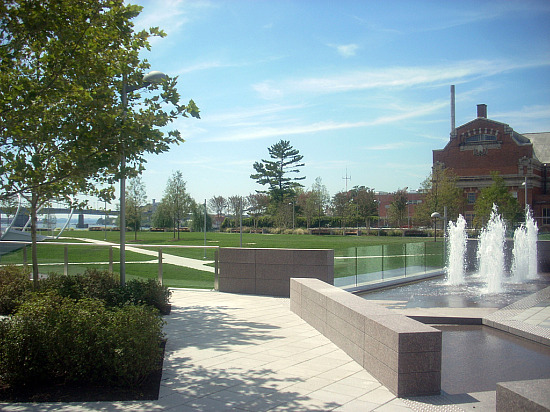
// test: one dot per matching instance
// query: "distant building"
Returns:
(482, 146)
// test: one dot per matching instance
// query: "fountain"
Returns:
(491, 285)
(490, 253)
(524, 255)
(532, 236)
(456, 263)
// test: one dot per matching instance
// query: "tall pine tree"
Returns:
(277, 174)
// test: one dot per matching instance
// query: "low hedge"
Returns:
(82, 328)
(14, 285)
(93, 283)
(59, 339)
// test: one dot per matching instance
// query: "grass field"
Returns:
(370, 250)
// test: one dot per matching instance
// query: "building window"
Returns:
(481, 138)
(546, 216)
(471, 198)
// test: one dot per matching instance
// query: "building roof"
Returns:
(541, 145)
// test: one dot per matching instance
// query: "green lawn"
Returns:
(373, 253)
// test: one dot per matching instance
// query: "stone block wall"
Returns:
(531, 395)
(268, 271)
(403, 354)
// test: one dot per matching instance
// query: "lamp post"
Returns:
(148, 79)
(293, 220)
(435, 216)
(241, 221)
(525, 184)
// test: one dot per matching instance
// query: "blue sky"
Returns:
(358, 87)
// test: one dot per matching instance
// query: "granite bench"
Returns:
(403, 354)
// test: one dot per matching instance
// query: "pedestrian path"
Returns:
(166, 257)
(231, 352)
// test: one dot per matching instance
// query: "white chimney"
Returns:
(453, 126)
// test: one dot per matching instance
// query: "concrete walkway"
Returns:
(230, 352)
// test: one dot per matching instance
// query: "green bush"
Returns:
(141, 292)
(93, 283)
(14, 284)
(101, 284)
(55, 338)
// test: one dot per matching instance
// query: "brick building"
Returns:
(482, 145)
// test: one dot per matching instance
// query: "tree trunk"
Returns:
(34, 254)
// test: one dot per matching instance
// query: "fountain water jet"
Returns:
(490, 253)
(524, 262)
(532, 236)
(520, 256)
(456, 263)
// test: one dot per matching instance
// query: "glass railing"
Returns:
(197, 266)
(358, 266)
(173, 265)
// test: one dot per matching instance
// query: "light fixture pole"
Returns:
(293, 219)
(525, 184)
(435, 216)
(149, 78)
(241, 221)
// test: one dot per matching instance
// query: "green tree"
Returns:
(236, 205)
(276, 173)
(63, 129)
(197, 218)
(135, 200)
(257, 205)
(440, 190)
(499, 195)
(177, 200)
(365, 201)
(397, 212)
(318, 200)
(162, 216)
(218, 205)
(343, 207)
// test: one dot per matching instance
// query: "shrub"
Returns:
(92, 283)
(101, 284)
(54, 338)
(14, 284)
(141, 292)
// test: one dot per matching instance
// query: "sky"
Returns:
(360, 88)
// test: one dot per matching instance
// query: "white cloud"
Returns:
(392, 146)
(345, 50)
(169, 15)
(529, 119)
(254, 133)
(267, 91)
(377, 78)
(526, 112)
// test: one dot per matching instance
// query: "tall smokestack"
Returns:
(453, 126)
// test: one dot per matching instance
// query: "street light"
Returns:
(525, 184)
(435, 216)
(148, 79)
(293, 220)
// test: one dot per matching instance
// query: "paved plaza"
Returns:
(230, 352)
